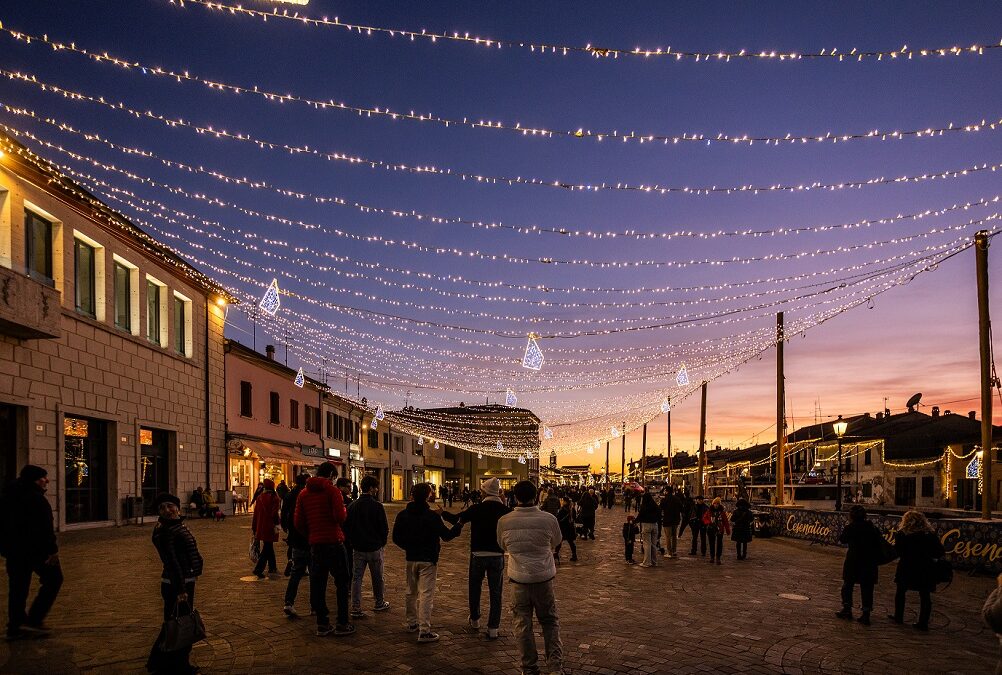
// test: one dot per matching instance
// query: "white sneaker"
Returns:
(381, 607)
(474, 623)
(492, 634)
(290, 612)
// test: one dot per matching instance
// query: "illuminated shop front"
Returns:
(85, 459)
(154, 465)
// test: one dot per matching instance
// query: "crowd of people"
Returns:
(336, 530)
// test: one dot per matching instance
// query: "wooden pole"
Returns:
(984, 331)
(780, 414)
(607, 462)
(643, 459)
(669, 441)
(702, 442)
(624, 453)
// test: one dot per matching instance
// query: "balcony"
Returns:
(29, 310)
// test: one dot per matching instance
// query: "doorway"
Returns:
(154, 451)
(11, 444)
(85, 458)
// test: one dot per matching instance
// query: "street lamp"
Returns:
(839, 426)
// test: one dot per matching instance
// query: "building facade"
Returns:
(111, 353)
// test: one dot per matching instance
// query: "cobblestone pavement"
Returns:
(685, 616)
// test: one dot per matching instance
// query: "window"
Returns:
(275, 417)
(293, 414)
(373, 439)
(868, 457)
(848, 464)
(386, 441)
(927, 486)
(246, 406)
(38, 245)
(156, 312)
(312, 419)
(904, 491)
(83, 261)
(123, 296)
(182, 325)
(398, 444)
(330, 425)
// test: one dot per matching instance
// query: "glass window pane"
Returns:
(123, 297)
(179, 325)
(152, 312)
(38, 242)
(84, 256)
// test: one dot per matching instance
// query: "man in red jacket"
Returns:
(319, 514)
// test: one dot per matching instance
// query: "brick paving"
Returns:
(685, 616)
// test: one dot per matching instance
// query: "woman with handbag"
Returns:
(918, 548)
(182, 566)
(568, 530)
(861, 561)
(265, 525)
(742, 522)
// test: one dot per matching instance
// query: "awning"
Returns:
(277, 453)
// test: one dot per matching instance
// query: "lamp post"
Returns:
(840, 426)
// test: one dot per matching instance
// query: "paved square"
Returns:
(685, 616)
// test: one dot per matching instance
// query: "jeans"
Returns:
(19, 573)
(300, 565)
(421, 578)
(671, 539)
(698, 533)
(267, 557)
(160, 661)
(526, 598)
(329, 559)
(865, 590)
(374, 560)
(716, 538)
(925, 605)
(491, 566)
(742, 550)
(649, 535)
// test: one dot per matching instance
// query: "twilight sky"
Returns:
(428, 323)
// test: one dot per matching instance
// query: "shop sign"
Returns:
(313, 451)
(333, 452)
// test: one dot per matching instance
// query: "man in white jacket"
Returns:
(529, 536)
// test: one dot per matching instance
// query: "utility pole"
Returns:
(607, 462)
(669, 440)
(624, 453)
(780, 414)
(702, 441)
(984, 331)
(643, 459)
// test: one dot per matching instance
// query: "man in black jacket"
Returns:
(486, 557)
(367, 529)
(299, 546)
(587, 506)
(671, 516)
(29, 544)
(419, 531)
(698, 527)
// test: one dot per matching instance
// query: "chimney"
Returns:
(971, 415)
(935, 411)
(887, 412)
(947, 412)
(269, 351)
(880, 416)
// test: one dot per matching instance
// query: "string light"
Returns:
(667, 53)
(638, 138)
(656, 189)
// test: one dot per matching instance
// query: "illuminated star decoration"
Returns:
(379, 413)
(271, 301)
(974, 468)
(682, 379)
(436, 445)
(510, 399)
(547, 432)
(480, 455)
(521, 459)
(374, 423)
(300, 379)
(614, 431)
(420, 440)
(666, 406)
(533, 359)
(500, 447)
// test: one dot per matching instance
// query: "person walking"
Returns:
(687, 507)
(299, 546)
(182, 565)
(671, 515)
(367, 529)
(549, 502)
(568, 529)
(486, 557)
(419, 531)
(282, 490)
(697, 525)
(742, 525)
(28, 541)
(265, 525)
(717, 525)
(319, 515)
(861, 561)
(648, 517)
(630, 532)
(345, 485)
(918, 547)
(587, 506)
(627, 498)
(529, 536)
(992, 613)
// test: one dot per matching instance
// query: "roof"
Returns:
(245, 352)
(31, 167)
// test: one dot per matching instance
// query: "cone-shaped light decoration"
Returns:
(271, 301)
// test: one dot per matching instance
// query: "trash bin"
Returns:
(132, 507)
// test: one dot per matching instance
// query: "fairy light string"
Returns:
(363, 112)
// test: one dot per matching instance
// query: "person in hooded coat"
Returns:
(861, 561)
(266, 524)
(742, 527)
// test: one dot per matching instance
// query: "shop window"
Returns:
(246, 404)
(373, 439)
(182, 325)
(293, 414)
(85, 457)
(38, 238)
(126, 296)
(928, 485)
(275, 416)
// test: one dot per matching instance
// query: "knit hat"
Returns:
(269, 484)
(164, 498)
(491, 487)
(32, 473)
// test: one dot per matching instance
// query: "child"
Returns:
(630, 532)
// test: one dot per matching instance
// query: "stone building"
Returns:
(111, 352)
